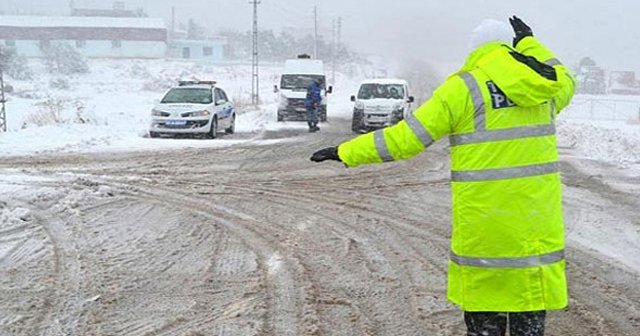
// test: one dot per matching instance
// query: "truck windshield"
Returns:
(188, 95)
(381, 91)
(299, 82)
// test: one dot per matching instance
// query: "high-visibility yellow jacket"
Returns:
(507, 246)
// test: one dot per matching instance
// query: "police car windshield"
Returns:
(299, 82)
(381, 91)
(188, 96)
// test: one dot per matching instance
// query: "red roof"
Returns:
(81, 28)
(82, 33)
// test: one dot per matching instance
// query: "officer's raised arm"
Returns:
(525, 43)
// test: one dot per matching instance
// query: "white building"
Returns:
(211, 50)
(97, 37)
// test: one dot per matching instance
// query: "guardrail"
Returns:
(602, 109)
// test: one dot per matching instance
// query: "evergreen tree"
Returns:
(279, 47)
(13, 64)
(195, 31)
(64, 59)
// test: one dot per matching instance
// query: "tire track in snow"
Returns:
(376, 260)
(283, 313)
(171, 277)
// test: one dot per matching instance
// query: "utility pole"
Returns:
(333, 51)
(255, 81)
(173, 22)
(339, 31)
(315, 32)
(3, 113)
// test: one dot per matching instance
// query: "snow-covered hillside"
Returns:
(109, 109)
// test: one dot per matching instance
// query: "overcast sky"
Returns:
(608, 31)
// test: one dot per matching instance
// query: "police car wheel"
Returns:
(232, 126)
(213, 133)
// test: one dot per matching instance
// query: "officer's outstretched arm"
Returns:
(419, 130)
(530, 46)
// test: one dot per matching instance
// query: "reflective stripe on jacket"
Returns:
(507, 247)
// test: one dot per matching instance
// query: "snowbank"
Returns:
(604, 128)
(619, 145)
(109, 108)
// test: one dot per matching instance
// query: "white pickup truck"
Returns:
(380, 102)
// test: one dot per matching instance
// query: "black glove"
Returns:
(520, 28)
(542, 69)
(329, 153)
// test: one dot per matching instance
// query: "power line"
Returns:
(3, 113)
(292, 16)
(296, 16)
(255, 78)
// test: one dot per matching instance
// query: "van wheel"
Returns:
(396, 118)
(356, 122)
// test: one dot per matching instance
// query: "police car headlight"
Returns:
(158, 113)
(203, 113)
(398, 108)
(358, 106)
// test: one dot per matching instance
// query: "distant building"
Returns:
(96, 37)
(102, 8)
(210, 50)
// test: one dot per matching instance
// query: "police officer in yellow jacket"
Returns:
(507, 249)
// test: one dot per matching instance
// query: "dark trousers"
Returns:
(495, 324)
(312, 117)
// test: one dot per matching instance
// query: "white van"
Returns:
(296, 77)
(380, 102)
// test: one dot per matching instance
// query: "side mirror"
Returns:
(221, 102)
(275, 89)
(411, 99)
(353, 98)
(330, 89)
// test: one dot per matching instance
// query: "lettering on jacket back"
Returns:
(498, 98)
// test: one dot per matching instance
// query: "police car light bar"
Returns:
(194, 82)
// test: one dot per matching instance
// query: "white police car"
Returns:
(193, 108)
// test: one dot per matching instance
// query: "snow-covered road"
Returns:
(254, 239)
(106, 232)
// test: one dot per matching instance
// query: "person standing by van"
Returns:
(312, 104)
